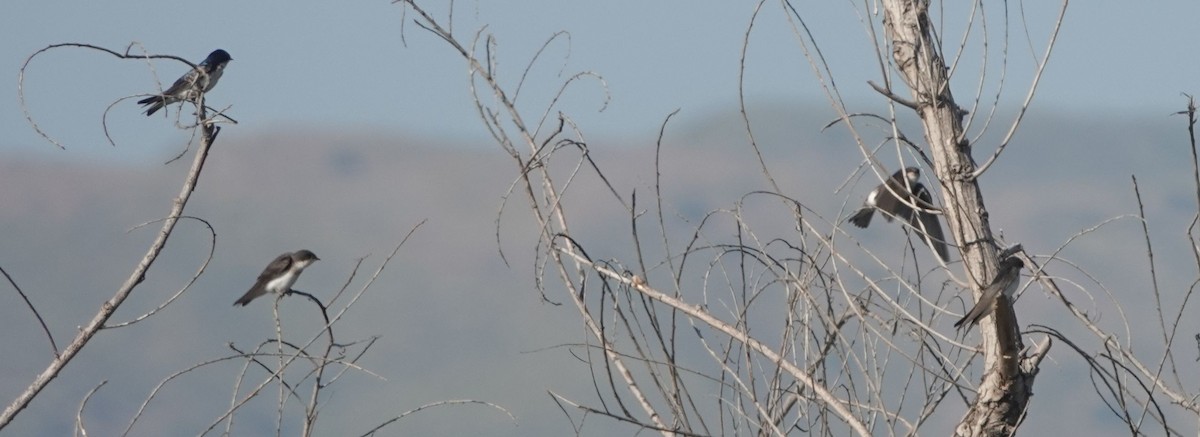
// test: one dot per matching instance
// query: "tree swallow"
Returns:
(1006, 282)
(279, 276)
(192, 85)
(893, 199)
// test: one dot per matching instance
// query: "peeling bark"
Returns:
(1005, 391)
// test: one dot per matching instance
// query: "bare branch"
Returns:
(699, 314)
(36, 314)
(79, 428)
(125, 55)
(212, 246)
(372, 431)
(136, 277)
(1012, 130)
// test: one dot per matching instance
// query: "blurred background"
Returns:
(355, 125)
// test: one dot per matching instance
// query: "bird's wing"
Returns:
(928, 224)
(889, 204)
(982, 308)
(183, 83)
(278, 266)
(1006, 282)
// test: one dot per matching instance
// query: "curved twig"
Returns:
(372, 431)
(126, 55)
(1037, 78)
(136, 277)
(36, 314)
(79, 428)
(212, 247)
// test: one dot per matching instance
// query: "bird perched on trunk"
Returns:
(897, 197)
(1005, 283)
(191, 85)
(280, 275)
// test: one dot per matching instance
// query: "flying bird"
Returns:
(191, 85)
(1006, 282)
(279, 276)
(896, 198)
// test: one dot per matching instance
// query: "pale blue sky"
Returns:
(341, 64)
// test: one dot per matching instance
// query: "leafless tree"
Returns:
(299, 370)
(301, 366)
(774, 332)
(207, 129)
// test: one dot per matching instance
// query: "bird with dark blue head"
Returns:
(191, 85)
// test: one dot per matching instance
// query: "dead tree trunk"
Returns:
(1005, 390)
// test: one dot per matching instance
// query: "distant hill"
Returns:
(456, 321)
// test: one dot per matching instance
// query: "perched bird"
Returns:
(1006, 282)
(190, 86)
(279, 276)
(895, 198)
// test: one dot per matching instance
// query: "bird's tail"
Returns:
(862, 217)
(245, 299)
(153, 104)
